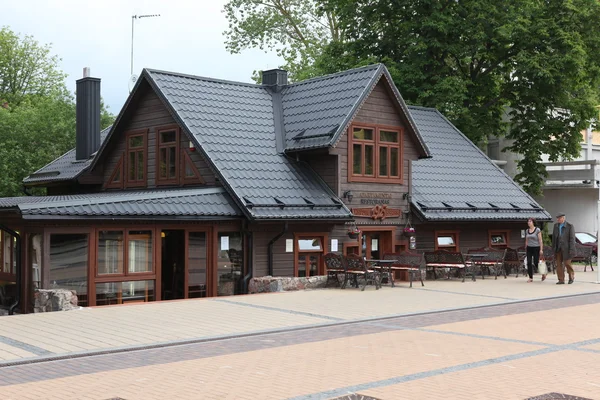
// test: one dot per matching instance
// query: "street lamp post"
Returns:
(133, 18)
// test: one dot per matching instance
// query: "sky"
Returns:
(187, 38)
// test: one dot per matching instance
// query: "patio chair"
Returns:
(550, 259)
(584, 253)
(512, 261)
(334, 264)
(357, 267)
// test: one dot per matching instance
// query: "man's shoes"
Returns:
(560, 282)
(571, 281)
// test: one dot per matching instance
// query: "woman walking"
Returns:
(535, 248)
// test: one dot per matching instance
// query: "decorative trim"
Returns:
(380, 212)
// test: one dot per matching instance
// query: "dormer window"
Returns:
(375, 154)
(168, 156)
(136, 158)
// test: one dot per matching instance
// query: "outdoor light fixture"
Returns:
(348, 195)
(191, 146)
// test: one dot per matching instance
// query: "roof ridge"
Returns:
(204, 78)
(335, 74)
(120, 197)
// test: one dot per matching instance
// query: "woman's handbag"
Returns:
(542, 267)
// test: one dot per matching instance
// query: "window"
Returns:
(111, 252)
(116, 178)
(446, 240)
(124, 292)
(230, 263)
(309, 250)
(69, 263)
(168, 156)
(8, 253)
(376, 154)
(498, 239)
(136, 158)
(190, 172)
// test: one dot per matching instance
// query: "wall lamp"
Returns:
(348, 195)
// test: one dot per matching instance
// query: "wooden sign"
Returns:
(380, 212)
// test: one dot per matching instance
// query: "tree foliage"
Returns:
(37, 114)
(475, 60)
(296, 29)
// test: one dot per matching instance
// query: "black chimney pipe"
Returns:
(88, 116)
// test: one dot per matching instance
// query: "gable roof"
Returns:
(198, 203)
(460, 182)
(64, 168)
(318, 111)
(233, 125)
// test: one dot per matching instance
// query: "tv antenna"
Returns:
(133, 77)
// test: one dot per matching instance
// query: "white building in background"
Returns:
(572, 187)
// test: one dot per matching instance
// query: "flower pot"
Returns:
(408, 234)
(353, 235)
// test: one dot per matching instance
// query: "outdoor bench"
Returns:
(445, 259)
(407, 261)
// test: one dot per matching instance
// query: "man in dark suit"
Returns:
(563, 243)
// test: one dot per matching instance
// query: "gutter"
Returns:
(270, 247)
(12, 308)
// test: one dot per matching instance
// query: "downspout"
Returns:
(271, 243)
(12, 308)
(248, 276)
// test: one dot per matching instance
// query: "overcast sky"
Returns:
(187, 37)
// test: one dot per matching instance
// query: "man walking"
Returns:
(563, 243)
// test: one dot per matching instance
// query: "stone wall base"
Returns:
(46, 300)
(267, 284)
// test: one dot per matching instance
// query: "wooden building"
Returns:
(201, 184)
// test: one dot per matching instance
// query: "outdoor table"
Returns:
(385, 266)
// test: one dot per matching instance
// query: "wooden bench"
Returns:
(407, 261)
(493, 261)
(445, 259)
(334, 264)
(356, 267)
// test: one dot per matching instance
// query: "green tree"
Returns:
(37, 114)
(475, 60)
(27, 69)
(297, 30)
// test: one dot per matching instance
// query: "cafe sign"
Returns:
(374, 198)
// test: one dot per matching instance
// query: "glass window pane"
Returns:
(357, 159)
(394, 162)
(383, 161)
(172, 163)
(310, 244)
(445, 241)
(368, 160)
(363, 134)
(230, 263)
(110, 252)
(388, 136)
(498, 238)
(140, 166)
(132, 166)
(302, 265)
(189, 172)
(162, 163)
(136, 141)
(117, 177)
(168, 137)
(139, 251)
(314, 265)
(124, 292)
(197, 265)
(69, 263)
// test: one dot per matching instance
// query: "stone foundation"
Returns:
(267, 284)
(46, 300)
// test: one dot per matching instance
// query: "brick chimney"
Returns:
(88, 116)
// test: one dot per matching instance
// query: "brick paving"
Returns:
(519, 344)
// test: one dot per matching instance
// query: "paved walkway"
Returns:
(492, 342)
(32, 337)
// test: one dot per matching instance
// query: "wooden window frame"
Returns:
(506, 234)
(325, 249)
(125, 275)
(377, 145)
(10, 275)
(456, 236)
(128, 135)
(197, 179)
(166, 181)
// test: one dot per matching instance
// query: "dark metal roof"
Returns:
(234, 127)
(460, 182)
(199, 203)
(64, 168)
(317, 111)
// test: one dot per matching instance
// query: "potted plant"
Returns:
(353, 232)
(409, 231)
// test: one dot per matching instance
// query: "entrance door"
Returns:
(376, 243)
(197, 264)
(173, 264)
